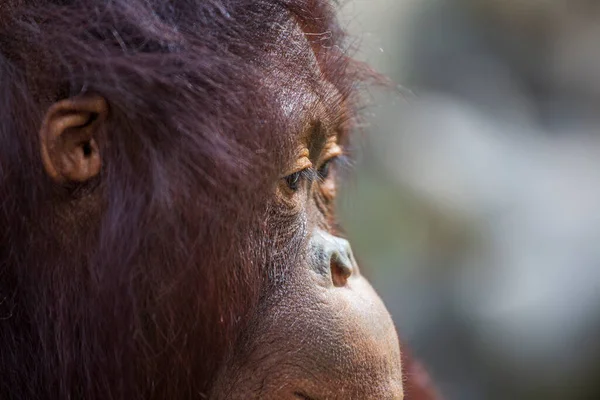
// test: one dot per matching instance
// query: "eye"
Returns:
(323, 171)
(293, 180)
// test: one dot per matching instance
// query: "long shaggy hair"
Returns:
(136, 285)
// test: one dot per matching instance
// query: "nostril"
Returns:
(341, 270)
(332, 258)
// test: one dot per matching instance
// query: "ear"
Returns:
(68, 138)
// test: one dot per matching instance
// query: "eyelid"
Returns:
(300, 165)
(331, 152)
(303, 163)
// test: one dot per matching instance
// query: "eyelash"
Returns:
(294, 180)
(323, 171)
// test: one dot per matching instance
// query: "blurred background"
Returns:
(476, 203)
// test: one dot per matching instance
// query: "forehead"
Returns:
(295, 80)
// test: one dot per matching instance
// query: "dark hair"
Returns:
(140, 294)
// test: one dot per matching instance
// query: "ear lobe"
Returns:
(68, 138)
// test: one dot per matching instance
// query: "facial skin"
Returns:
(325, 334)
(320, 332)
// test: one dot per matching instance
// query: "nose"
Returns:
(332, 256)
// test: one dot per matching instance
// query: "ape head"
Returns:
(168, 171)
